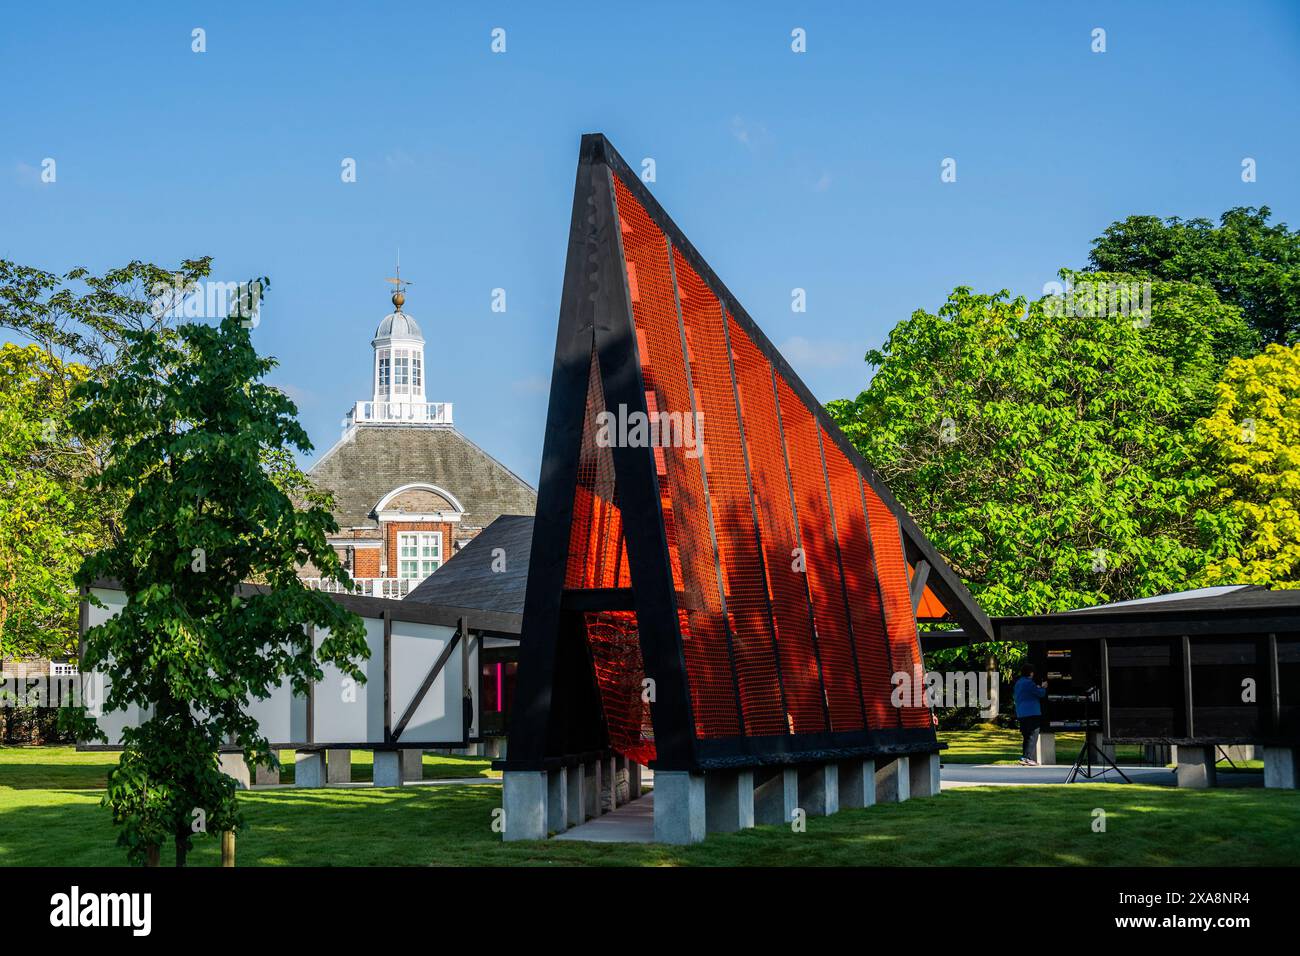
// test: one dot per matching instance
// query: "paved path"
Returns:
(954, 775)
(631, 823)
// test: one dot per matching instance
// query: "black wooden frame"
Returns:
(596, 320)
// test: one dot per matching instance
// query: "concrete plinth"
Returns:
(923, 775)
(524, 795)
(857, 784)
(388, 769)
(591, 789)
(1107, 749)
(1237, 753)
(1045, 749)
(893, 779)
(679, 807)
(819, 789)
(608, 784)
(776, 795)
(1195, 767)
(575, 804)
(338, 766)
(309, 768)
(633, 780)
(728, 800)
(266, 776)
(557, 800)
(412, 765)
(233, 766)
(1281, 768)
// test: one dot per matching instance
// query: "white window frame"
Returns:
(425, 555)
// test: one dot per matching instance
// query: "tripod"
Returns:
(1083, 763)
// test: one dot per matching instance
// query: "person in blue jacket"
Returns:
(1029, 712)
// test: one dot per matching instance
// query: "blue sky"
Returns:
(817, 170)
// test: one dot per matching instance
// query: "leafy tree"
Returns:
(48, 520)
(1253, 435)
(190, 426)
(1248, 262)
(1049, 449)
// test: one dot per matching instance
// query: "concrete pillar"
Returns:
(412, 765)
(608, 784)
(388, 770)
(857, 784)
(819, 789)
(591, 789)
(776, 795)
(1195, 768)
(622, 793)
(338, 766)
(1237, 753)
(1108, 749)
(728, 800)
(1281, 768)
(893, 779)
(923, 775)
(309, 768)
(266, 776)
(557, 800)
(1045, 751)
(575, 804)
(233, 766)
(679, 807)
(524, 795)
(633, 780)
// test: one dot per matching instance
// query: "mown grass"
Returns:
(452, 825)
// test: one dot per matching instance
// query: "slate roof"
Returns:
(372, 460)
(468, 579)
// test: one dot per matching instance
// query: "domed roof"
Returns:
(398, 325)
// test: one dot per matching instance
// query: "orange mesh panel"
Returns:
(616, 658)
(866, 613)
(799, 672)
(748, 606)
(685, 509)
(597, 549)
(817, 538)
(930, 608)
(891, 569)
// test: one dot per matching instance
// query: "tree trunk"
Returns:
(152, 854)
(180, 850)
(227, 847)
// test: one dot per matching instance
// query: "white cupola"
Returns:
(399, 357)
(398, 374)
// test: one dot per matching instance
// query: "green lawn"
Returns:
(45, 820)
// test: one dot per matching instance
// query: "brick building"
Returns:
(409, 489)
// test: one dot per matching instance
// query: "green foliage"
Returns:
(1253, 436)
(190, 427)
(1249, 263)
(48, 520)
(1051, 453)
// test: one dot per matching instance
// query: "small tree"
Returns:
(190, 427)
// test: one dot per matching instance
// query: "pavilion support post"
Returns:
(679, 809)
(633, 780)
(233, 766)
(591, 789)
(893, 779)
(524, 794)
(412, 765)
(575, 804)
(729, 800)
(309, 768)
(1195, 767)
(776, 796)
(923, 775)
(388, 771)
(857, 784)
(557, 800)
(1281, 768)
(266, 776)
(338, 767)
(1045, 748)
(819, 789)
